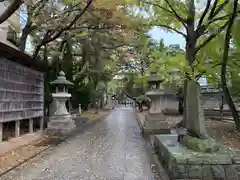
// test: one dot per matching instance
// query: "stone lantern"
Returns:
(109, 104)
(61, 121)
(155, 121)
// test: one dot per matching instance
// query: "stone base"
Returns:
(155, 124)
(182, 163)
(61, 124)
(108, 107)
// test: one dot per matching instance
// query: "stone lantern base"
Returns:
(108, 107)
(61, 124)
(155, 120)
(156, 124)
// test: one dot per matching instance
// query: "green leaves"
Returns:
(66, 2)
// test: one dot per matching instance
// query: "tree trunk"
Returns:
(224, 68)
(10, 10)
(221, 108)
(23, 39)
(183, 122)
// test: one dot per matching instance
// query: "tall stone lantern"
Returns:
(155, 121)
(61, 121)
(109, 104)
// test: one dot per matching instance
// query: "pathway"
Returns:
(112, 149)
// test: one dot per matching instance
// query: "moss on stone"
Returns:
(200, 145)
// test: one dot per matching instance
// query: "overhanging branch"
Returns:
(220, 8)
(213, 9)
(211, 37)
(183, 21)
(172, 29)
(49, 37)
(167, 10)
(204, 13)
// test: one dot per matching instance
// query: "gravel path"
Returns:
(112, 149)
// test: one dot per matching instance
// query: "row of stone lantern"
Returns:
(61, 121)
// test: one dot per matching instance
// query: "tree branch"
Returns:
(204, 13)
(220, 8)
(10, 10)
(49, 37)
(172, 29)
(183, 21)
(201, 29)
(211, 37)
(167, 10)
(58, 34)
(157, 5)
(198, 76)
(213, 9)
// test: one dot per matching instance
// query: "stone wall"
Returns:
(210, 102)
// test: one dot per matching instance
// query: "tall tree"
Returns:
(198, 27)
(225, 58)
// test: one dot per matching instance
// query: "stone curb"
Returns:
(54, 142)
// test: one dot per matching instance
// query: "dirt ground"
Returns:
(223, 131)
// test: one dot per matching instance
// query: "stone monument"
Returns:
(61, 121)
(155, 121)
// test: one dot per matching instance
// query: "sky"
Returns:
(168, 38)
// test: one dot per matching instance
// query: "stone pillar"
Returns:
(1, 131)
(79, 109)
(194, 111)
(17, 128)
(41, 123)
(109, 102)
(31, 125)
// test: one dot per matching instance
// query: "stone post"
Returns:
(79, 109)
(17, 128)
(41, 123)
(194, 111)
(197, 138)
(1, 132)
(31, 125)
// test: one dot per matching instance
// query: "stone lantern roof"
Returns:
(154, 78)
(61, 80)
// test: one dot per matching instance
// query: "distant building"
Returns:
(10, 28)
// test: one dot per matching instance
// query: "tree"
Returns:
(224, 66)
(197, 27)
(88, 51)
